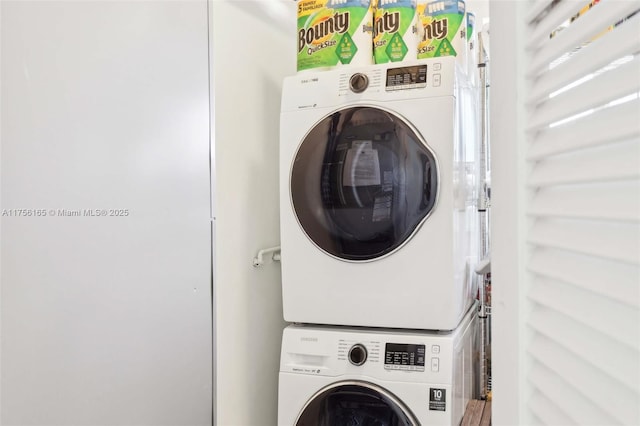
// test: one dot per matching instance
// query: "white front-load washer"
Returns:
(377, 207)
(359, 376)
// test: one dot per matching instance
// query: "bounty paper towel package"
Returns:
(472, 51)
(334, 32)
(471, 24)
(442, 30)
(394, 36)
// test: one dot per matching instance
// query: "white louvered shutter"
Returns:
(582, 290)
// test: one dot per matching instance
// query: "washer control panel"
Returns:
(398, 356)
(357, 352)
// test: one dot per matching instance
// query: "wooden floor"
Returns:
(478, 413)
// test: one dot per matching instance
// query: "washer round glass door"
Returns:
(355, 403)
(362, 182)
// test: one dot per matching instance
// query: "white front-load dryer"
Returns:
(376, 197)
(348, 376)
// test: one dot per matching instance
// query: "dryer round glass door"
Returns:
(355, 403)
(362, 181)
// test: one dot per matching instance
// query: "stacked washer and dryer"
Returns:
(379, 243)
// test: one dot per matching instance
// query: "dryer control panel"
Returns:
(433, 77)
(381, 80)
(359, 82)
(413, 77)
(397, 78)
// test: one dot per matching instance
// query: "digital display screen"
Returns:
(406, 77)
(404, 357)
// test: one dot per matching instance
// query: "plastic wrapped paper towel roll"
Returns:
(442, 30)
(472, 52)
(333, 33)
(394, 31)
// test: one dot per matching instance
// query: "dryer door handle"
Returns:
(428, 183)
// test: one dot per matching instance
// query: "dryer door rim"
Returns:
(390, 397)
(419, 139)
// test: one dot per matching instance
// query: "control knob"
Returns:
(357, 354)
(358, 82)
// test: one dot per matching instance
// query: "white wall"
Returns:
(105, 320)
(251, 55)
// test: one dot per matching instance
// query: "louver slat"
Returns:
(581, 306)
(566, 398)
(618, 200)
(581, 31)
(605, 88)
(589, 273)
(595, 350)
(621, 122)
(536, 9)
(546, 411)
(618, 161)
(589, 396)
(613, 241)
(603, 51)
(553, 20)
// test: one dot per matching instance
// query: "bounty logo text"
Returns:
(387, 23)
(436, 29)
(338, 23)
